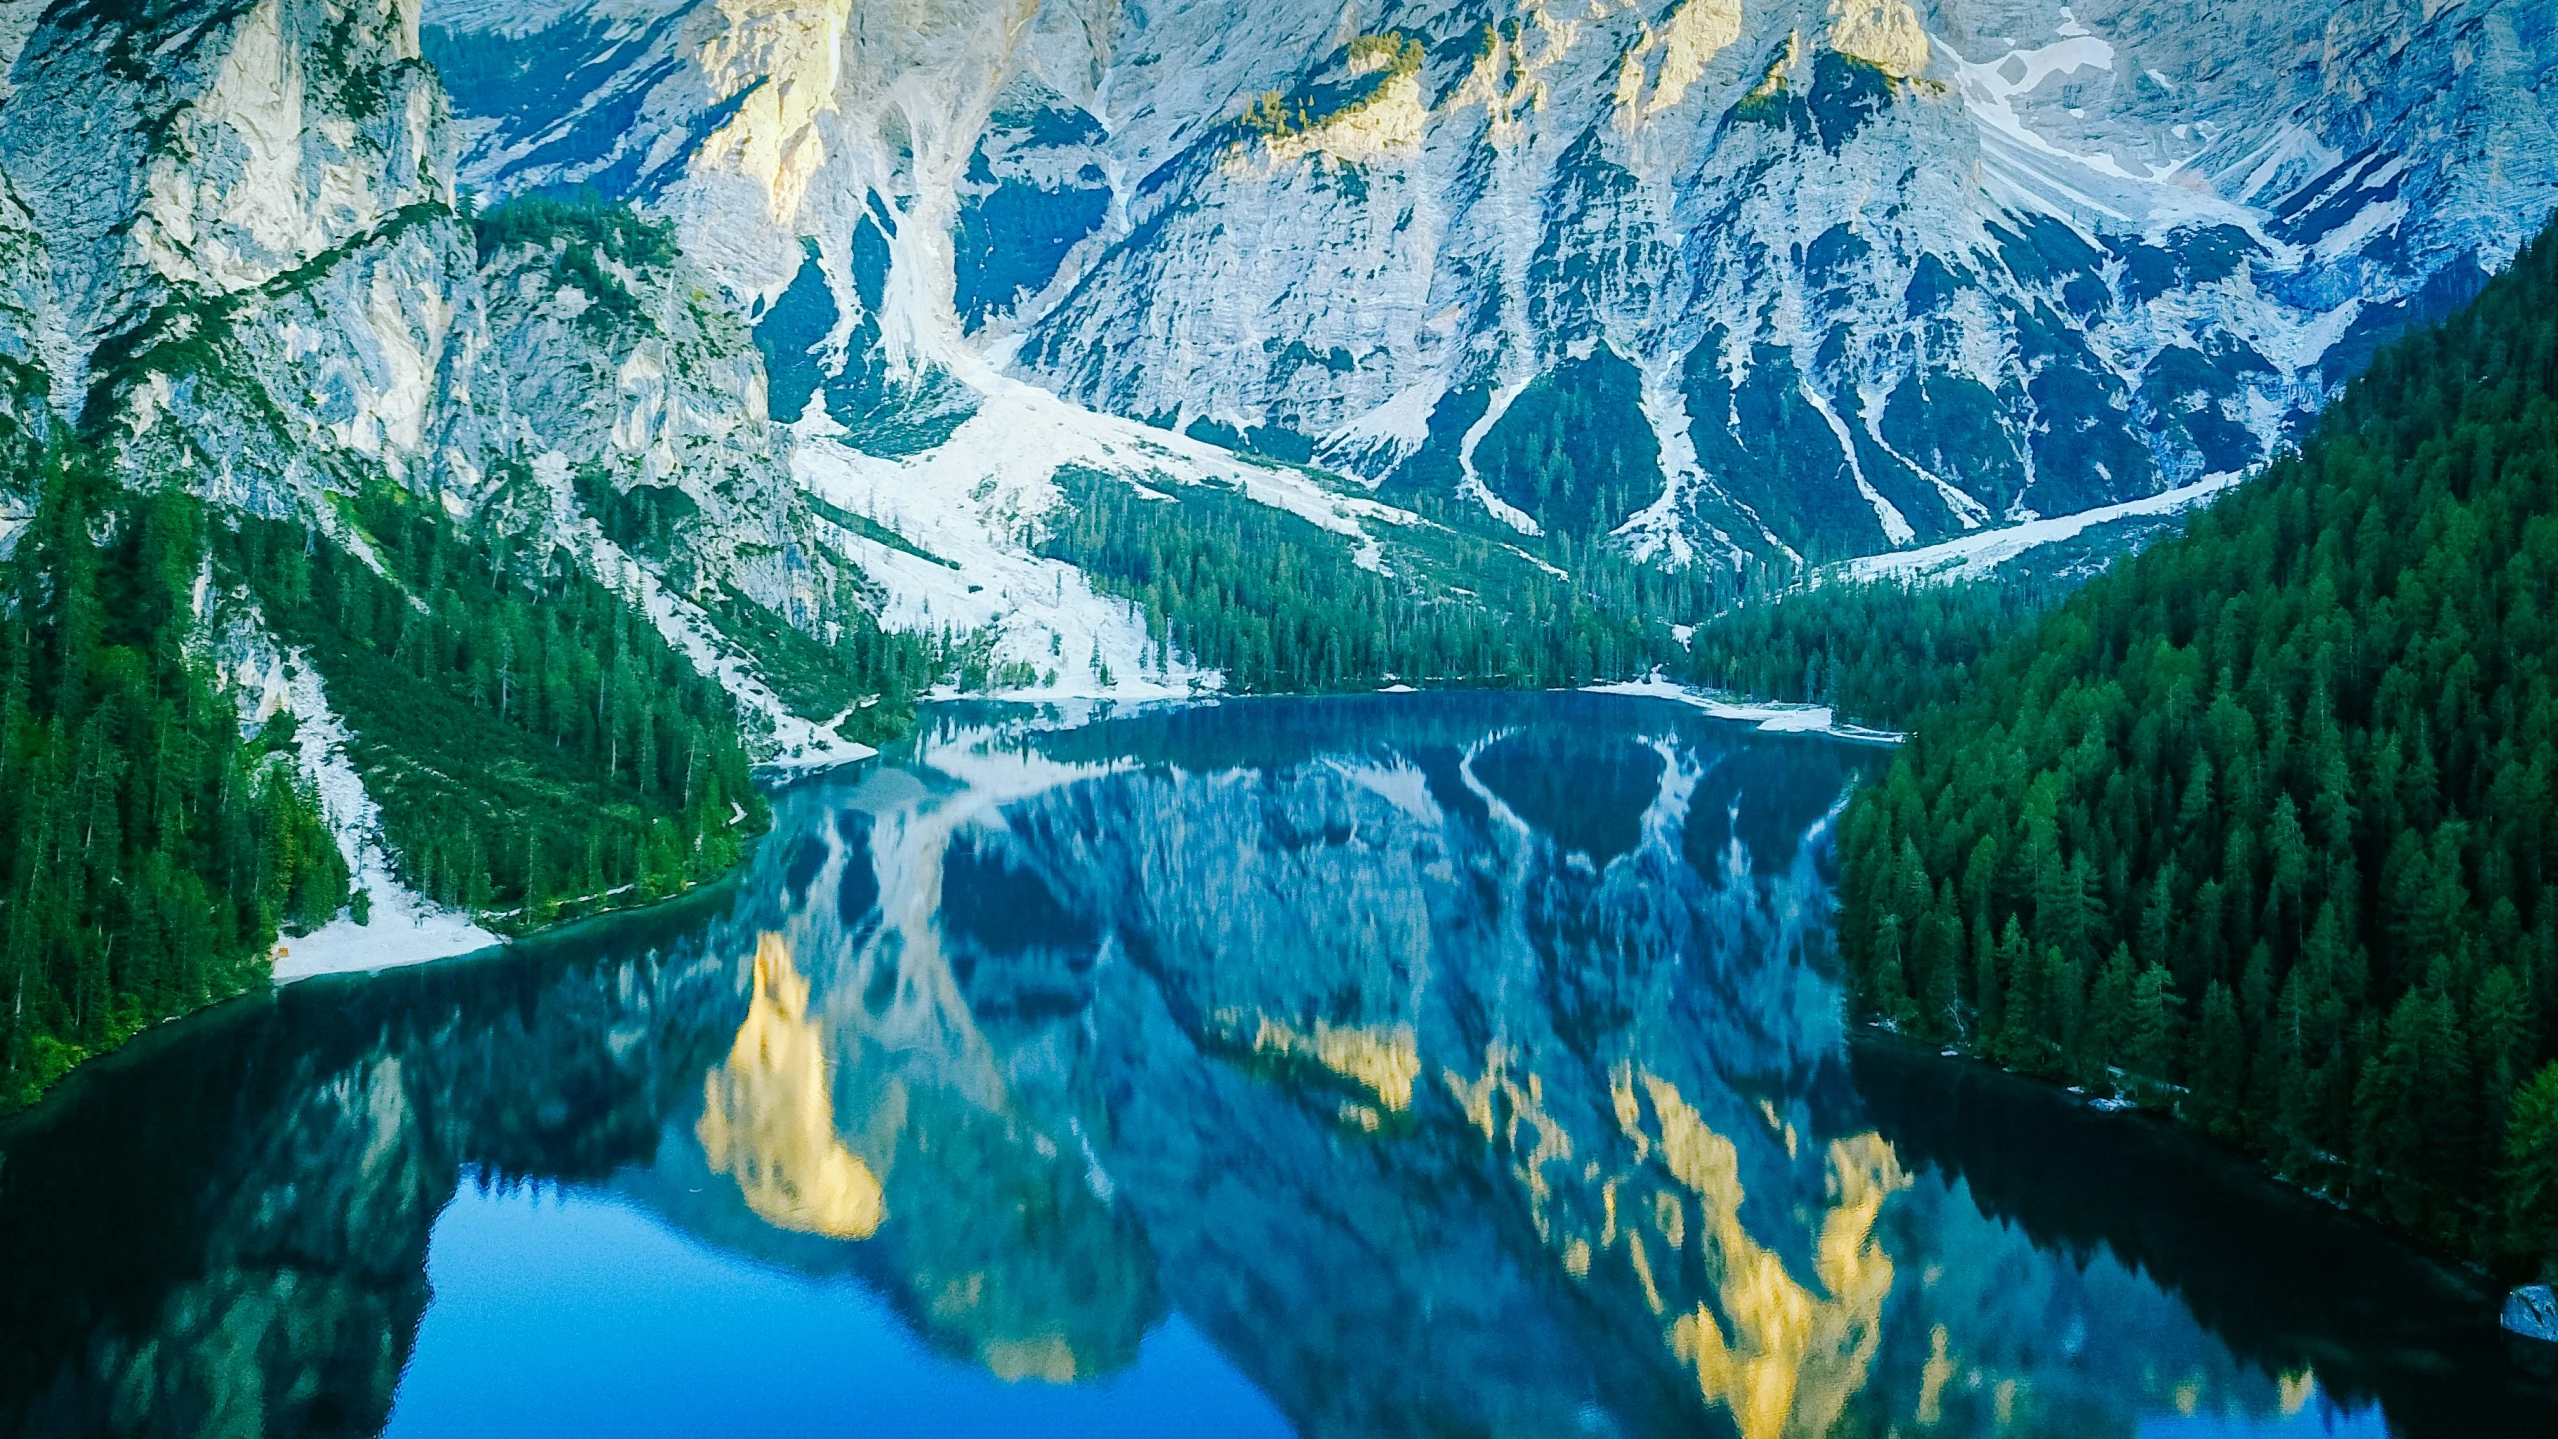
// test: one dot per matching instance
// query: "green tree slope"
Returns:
(1282, 605)
(1878, 652)
(2259, 825)
(533, 742)
(148, 853)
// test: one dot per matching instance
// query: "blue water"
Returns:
(568, 1311)
(1431, 1064)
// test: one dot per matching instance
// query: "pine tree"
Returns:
(2291, 772)
(2531, 1174)
(2219, 1063)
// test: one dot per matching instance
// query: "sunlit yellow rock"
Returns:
(768, 1119)
(1793, 1357)
(2297, 1390)
(1387, 121)
(1525, 1104)
(1933, 1376)
(1885, 34)
(1047, 1358)
(1689, 37)
(1576, 1258)
(1382, 1059)
(1509, 76)
(779, 60)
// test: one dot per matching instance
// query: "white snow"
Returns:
(1977, 554)
(2368, 221)
(405, 927)
(1658, 529)
(1381, 439)
(1896, 528)
(982, 500)
(1769, 716)
(1471, 486)
(2026, 170)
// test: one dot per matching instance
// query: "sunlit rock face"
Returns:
(768, 1119)
(1850, 274)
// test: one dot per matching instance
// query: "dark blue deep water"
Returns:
(1448, 1065)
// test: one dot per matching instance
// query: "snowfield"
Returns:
(980, 502)
(1975, 555)
(1769, 716)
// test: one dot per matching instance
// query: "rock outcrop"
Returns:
(2532, 1312)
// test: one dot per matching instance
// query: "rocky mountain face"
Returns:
(1711, 277)
(783, 320)
(1700, 279)
(237, 260)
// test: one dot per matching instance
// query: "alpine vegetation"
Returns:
(2256, 827)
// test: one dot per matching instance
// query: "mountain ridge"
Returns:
(797, 331)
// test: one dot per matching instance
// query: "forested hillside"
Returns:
(1282, 606)
(1878, 652)
(148, 853)
(2259, 826)
(534, 744)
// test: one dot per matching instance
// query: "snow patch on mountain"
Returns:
(978, 505)
(1975, 556)
(402, 926)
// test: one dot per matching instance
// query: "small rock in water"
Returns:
(2532, 1312)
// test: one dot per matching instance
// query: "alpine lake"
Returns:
(1448, 1064)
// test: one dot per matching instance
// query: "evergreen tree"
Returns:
(150, 852)
(534, 745)
(2292, 771)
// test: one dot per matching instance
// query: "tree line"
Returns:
(1279, 604)
(1879, 652)
(149, 852)
(2258, 826)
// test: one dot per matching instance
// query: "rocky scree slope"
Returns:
(1722, 279)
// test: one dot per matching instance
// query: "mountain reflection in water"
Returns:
(1424, 1064)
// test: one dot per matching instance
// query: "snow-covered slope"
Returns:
(1818, 277)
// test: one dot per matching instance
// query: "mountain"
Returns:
(1830, 278)
(836, 355)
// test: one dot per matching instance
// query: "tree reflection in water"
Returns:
(1450, 1063)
